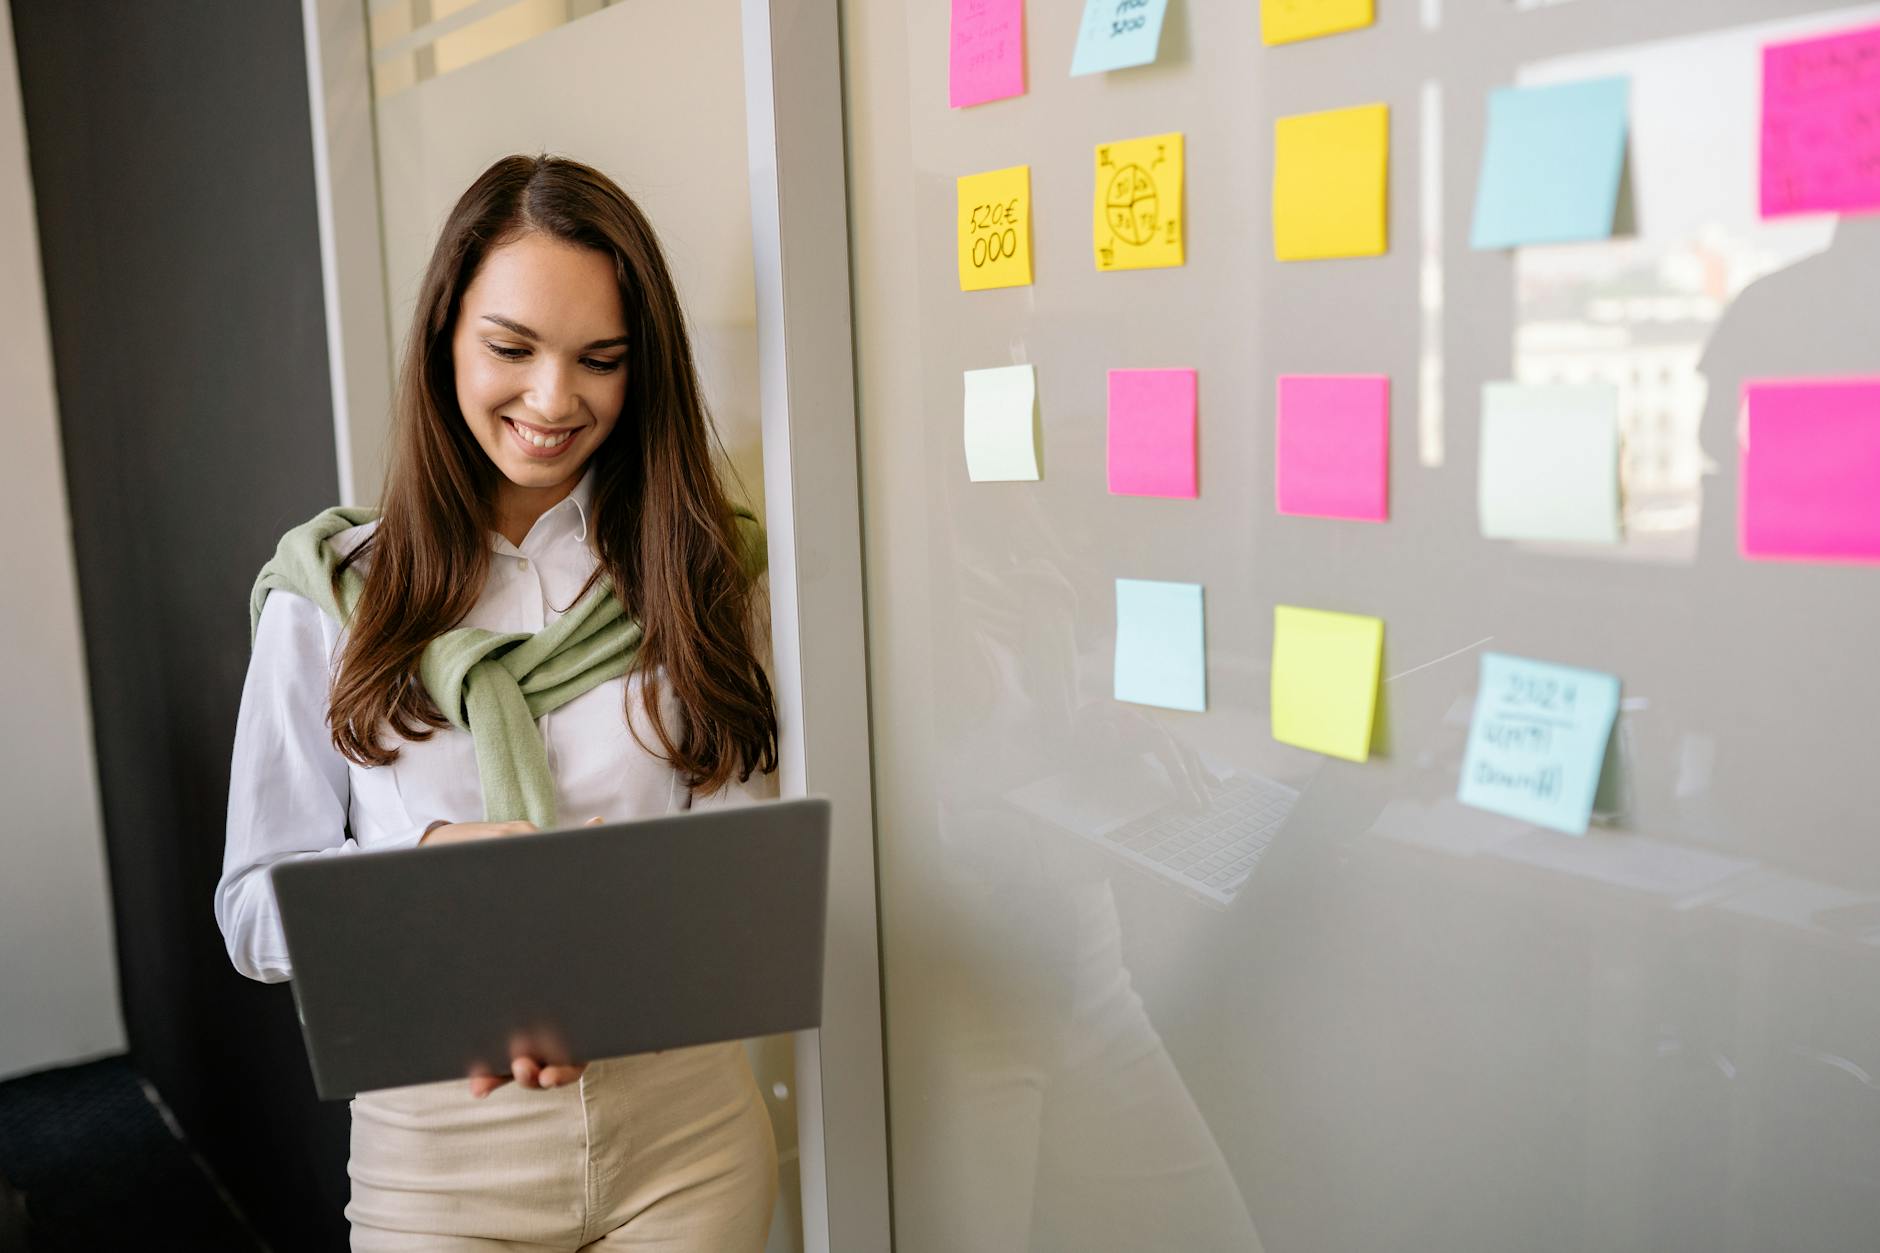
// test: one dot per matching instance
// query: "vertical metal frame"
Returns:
(799, 221)
(800, 238)
(352, 255)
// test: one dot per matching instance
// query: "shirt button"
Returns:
(522, 563)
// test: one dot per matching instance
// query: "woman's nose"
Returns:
(552, 393)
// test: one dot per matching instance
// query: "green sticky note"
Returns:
(1325, 675)
(1549, 462)
(1538, 741)
(1000, 434)
(1161, 644)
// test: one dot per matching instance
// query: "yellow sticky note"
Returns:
(1329, 180)
(995, 229)
(1283, 21)
(1138, 223)
(1325, 673)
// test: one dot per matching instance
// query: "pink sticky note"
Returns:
(1152, 433)
(1334, 446)
(988, 60)
(1821, 124)
(1810, 469)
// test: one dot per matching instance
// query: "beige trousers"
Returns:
(669, 1152)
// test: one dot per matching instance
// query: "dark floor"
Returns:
(95, 1168)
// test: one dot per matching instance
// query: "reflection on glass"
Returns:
(1052, 1116)
(416, 40)
(1637, 311)
(1206, 845)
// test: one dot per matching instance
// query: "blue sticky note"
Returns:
(1552, 163)
(1538, 740)
(1117, 34)
(1161, 647)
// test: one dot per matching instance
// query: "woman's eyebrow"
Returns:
(526, 333)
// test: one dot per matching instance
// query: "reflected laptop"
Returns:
(1130, 812)
(419, 965)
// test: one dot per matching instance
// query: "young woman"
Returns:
(555, 618)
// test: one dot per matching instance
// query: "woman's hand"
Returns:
(525, 1070)
(457, 832)
(530, 1073)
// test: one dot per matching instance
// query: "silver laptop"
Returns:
(425, 964)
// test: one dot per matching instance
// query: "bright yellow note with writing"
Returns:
(1282, 21)
(1329, 181)
(1138, 224)
(995, 229)
(1325, 674)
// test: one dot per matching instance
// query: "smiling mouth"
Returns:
(541, 437)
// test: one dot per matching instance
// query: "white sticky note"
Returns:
(1549, 462)
(1001, 445)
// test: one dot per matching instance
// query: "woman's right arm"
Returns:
(289, 789)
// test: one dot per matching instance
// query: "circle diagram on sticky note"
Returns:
(1138, 222)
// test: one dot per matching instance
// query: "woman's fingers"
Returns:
(530, 1074)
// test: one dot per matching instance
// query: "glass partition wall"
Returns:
(1156, 980)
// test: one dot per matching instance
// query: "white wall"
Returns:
(58, 968)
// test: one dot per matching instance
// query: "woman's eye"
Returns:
(597, 364)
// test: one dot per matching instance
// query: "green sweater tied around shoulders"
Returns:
(491, 684)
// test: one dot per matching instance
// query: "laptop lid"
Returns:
(425, 964)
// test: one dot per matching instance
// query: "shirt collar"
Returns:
(583, 498)
(577, 503)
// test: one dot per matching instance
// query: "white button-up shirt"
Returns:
(293, 794)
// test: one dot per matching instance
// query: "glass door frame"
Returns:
(799, 217)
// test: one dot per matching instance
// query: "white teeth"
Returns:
(543, 441)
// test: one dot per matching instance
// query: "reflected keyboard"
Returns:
(1211, 851)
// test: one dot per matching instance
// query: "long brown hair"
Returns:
(664, 528)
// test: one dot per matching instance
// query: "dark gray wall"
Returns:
(173, 169)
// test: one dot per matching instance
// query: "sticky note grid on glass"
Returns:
(995, 229)
(1332, 454)
(1161, 645)
(1549, 462)
(1325, 677)
(1552, 165)
(1138, 214)
(1286, 21)
(1810, 470)
(1538, 740)
(987, 60)
(1000, 425)
(1821, 124)
(1118, 34)
(1152, 433)
(1330, 174)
